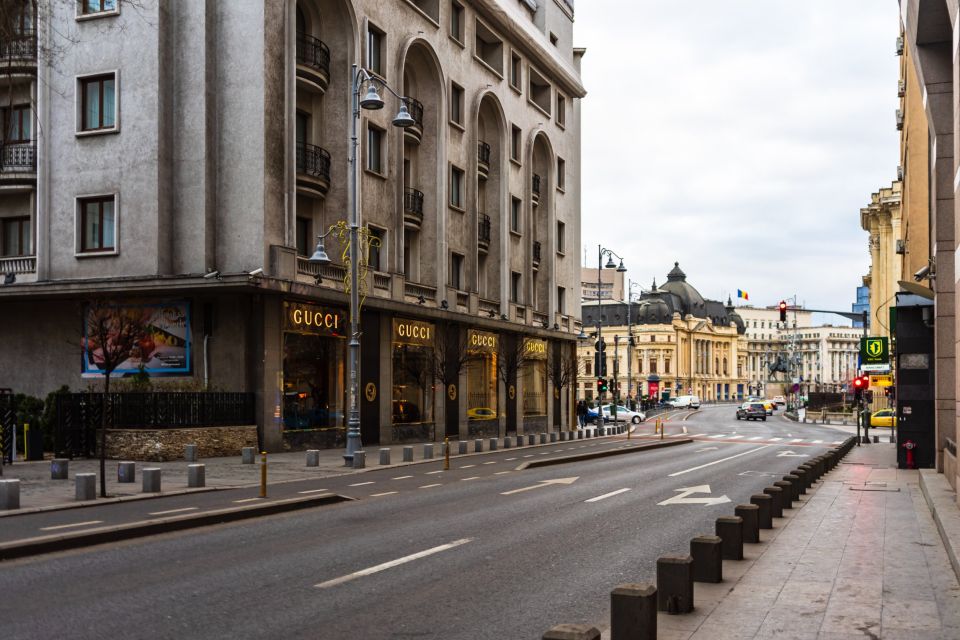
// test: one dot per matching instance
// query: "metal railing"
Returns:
(413, 201)
(483, 228)
(23, 47)
(536, 184)
(19, 157)
(483, 152)
(537, 250)
(312, 52)
(415, 108)
(313, 160)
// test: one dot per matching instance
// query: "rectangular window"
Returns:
(515, 287)
(561, 236)
(304, 247)
(553, 39)
(456, 187)
(456, 21)
(98, 6)
(375, 137)
(653, 366)
(456, 271)
(456, 103)
(98, 103)
(375, 252)
(17, 124)
(561, 174)
(588, 367)
(666, 366)
(561, 300)
(516, 71)
(375, 39)
(515, 211)
(488, 48)
(515, 143)
(97, 224)
(15, 236)
(540, 91)
(561, 109)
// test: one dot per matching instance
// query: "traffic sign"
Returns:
(875, 368)
(881, 381)
(874, 351)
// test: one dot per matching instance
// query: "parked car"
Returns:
(883, 418)
(752, 411)
(623, 414)
(592, 416)
(481, 413)
(779, 400)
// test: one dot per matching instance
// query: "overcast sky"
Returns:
(740, 138)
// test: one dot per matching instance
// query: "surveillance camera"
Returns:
(922, 273)
(212, 274)
(256, 273)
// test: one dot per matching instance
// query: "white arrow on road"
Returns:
(543, 483)
(682, 498)
(791, 454)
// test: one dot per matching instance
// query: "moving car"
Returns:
(623, 414)
(752, 411)
(481, 413)
(883, 418)
(768, 406)
(592, 416)
(684, 402)
(780, 400)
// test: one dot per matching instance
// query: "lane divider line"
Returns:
(385, 493)
(401, 477)
(168, 511)
(470, 478)
(360, 484)
(245, 500)
(427, 486)
(75, 524)
(312, 491)
(393, 563)
(607, 495)
(709, 464)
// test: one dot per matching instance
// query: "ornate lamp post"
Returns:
(620, 269)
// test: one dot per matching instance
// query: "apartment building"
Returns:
(180, 160)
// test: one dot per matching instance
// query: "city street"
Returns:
(480, 551)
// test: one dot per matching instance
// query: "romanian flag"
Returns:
(742, 294)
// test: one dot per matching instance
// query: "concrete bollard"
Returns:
(786, 493)
(478, 446)
(428, 452)
(553, 436)
(384, 455)
(196, 475)
(126, 472)
(563, 436)
(9, 494)
(876, 439)
(408, 454)
(190, 453)
(247, 455)
(776, 501)
(764, 509)
(359, 459)
(804, 479)
(572, 632)
(543, 438)
(795, 485)
(59, 469)
(707, 554)
(462, 447)
(313, 457)
(531, 439)
(86, 486)
(507, 442)
(151, 480)
(493, 444)
(730, 531)
(751, 521)
(675, 583)
(633, 612)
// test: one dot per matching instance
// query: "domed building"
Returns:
(669, 342)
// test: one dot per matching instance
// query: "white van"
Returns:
(683, 402)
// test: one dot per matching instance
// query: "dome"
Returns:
(690, 299)
(734, 317)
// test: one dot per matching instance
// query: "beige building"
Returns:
(193, 179)
(882, 220)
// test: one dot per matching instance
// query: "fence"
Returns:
(8, 419)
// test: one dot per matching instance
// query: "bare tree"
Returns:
(562, 370)
(451, 355)
(512, 356)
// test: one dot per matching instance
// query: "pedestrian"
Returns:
(581, 414)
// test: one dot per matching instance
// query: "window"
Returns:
(561, 300)
(539, 93)
(375, 252)
(456, 187)
(561, 236)
(456, 21)
(17, 124)
(515, 287)
(588, 366)
(653, 365)
(553, 38)
(456, 103)
(561, 174)
(89, 7)
(516, 72)
(97, 224)
(561, 109)
(515, 214)
(375, 138)
(653, 338)
(489, 48)
(375, 39)
(303, 237)
(98, 103)
(456, 271)
(515, 143)
(666, 365)
(15, 237)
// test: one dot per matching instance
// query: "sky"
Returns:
(739, 138)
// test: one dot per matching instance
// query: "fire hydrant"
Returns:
(910, 445)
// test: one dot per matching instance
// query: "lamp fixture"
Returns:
(319, 253)
(372, 101)
(611, 264)
(444, 304)
(403, 118)
(213, 273)
(421, 299)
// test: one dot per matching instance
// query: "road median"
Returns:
(578, 457)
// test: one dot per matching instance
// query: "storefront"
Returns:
(534, 383)
(483, 415)
(413, 367)
(314, 397)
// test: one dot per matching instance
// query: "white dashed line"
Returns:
(528, 456)
(467, 466)
(360, 484)
(509, 459)
(392, 563)
(775, 439)
(679, 473)
(430, 473)
(402, 477)
(163, 513)
(245, 500)
(607, 495)
(818, 442)
(755, 438)
(470, 478)
(75, 524)
(427, 486)
(719, 435)
(500, 473)
(797, 440)
(386, 493)
(837, 442)
(546, 453)
(490, 462)
(312, 491)
(734, 437)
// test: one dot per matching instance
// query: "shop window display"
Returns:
(534, 378)
(482, 376)
(313, 374)
(413, 367)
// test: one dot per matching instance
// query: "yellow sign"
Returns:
(481, 341)
(412, 332)
(881, 381)
(536, 349)
(874, 347)
(452, 392)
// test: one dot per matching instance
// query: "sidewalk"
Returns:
(861, 559)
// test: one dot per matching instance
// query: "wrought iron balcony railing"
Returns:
(312, 52)
(313, 161)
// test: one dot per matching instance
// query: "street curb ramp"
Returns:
(62, 542)
(533, 464)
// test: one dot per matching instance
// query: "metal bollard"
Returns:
(493, 444)
(675, 583)
(428, 451)
(707, 554)
(247, 455)
(313, 457)
(126, 472)
(507, 442)
(751, 523)
(86, 486)
(543, 438)
(462, 447)
(776, 501)
(384, 455)
(730, 531)
(563, 436)
(581, 434)
(151, 480)
(633, 612)
(196, 475)
(9, 494)
(786, 495)
(263, 474)
(795, 485)
(359, 459)
(764, 509)
(572, 632)
(59, 469)
(190, 453)
(478, 445)
(804, 479)
(408, 454)
(446, 454)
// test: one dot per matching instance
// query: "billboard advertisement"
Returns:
(154, 336)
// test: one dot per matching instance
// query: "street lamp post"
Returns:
(372, 102)
(620, 269)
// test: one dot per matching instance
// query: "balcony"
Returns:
(18, 264)
(313, 170)
(313, 64)
(18, 57)
(483, 160)
(483, 233)
(537, 252)
(535, 190)
(412, 208)
(414, 133)
(18, 165)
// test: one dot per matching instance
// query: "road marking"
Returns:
(402, 477)
(360, 484)
(775, 439)
(385, 493)
(467, 466)
(706, 449)
(245, 500)
(500, 473)
(430, 473)
(312, 491)
(837, 442)
(546, 453)
(797, 440)
(509, 459)
(607, 495)
(676, 435)
(470, 478)
(697, 435)
(393, 563)
(682, 497)
(680, 473)
(719, 435)
(528, 455)
(163, 513)
(791, 454)
(542, 484)
(818, 442)
(756, 438)
(75, 524)
(427, 486)
(490, 462)
(734, 437)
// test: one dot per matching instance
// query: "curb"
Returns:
(62, 542)
(941, 500)
(127, 498)
(533, 464)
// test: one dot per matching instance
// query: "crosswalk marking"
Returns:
(719, 435)
(818, 442)
(797, 440)
(755, 438)
(775, 439)
(734, 437)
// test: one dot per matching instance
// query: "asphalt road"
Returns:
(480, 551)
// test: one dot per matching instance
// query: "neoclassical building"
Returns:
(182, 158)
(881, 218)
(670, 342)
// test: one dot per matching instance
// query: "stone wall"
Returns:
(160, 445)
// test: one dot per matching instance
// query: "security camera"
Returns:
(213, 274)
(922, 273)
(256, 273)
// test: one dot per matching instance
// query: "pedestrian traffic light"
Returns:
(783, 311)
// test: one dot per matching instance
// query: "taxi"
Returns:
(883, 418)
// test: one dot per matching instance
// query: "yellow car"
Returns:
(769, 406)
(481, 413)
(883, 418)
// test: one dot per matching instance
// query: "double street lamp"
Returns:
(371, 101)
(610, 254)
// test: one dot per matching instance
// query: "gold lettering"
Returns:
(297, 316)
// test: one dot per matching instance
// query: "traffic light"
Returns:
(859, 384)
(601, 385)
(783, 311)
(600, 357)
(612, 385)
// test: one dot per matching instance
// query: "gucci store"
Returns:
(483, 415)
(412, 401)
(534, 384)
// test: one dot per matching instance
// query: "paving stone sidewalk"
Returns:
(861, 559)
